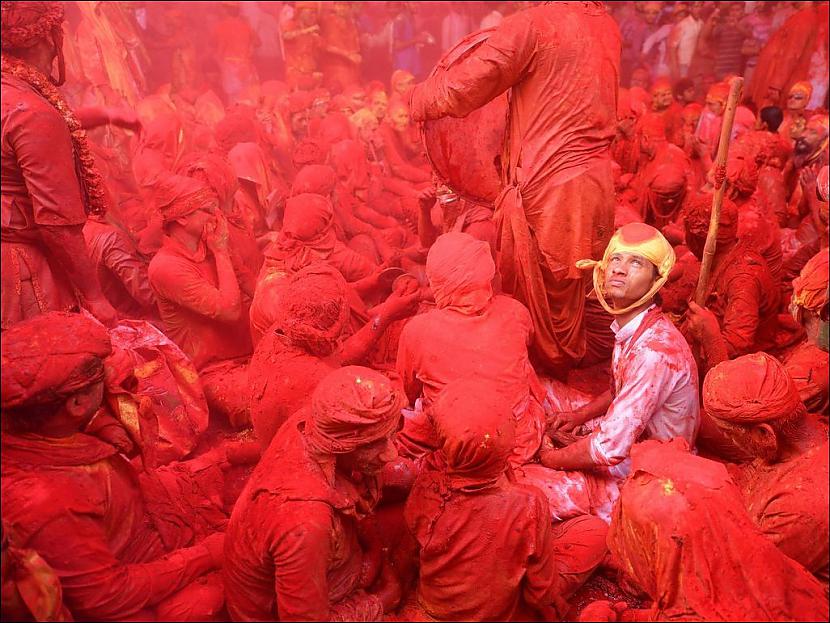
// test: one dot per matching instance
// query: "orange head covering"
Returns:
(460, 271)
(718, 92)
(25, 23)
(804, 87)
(318, 179)
(640, 239)
(313, 310)
(691, 112)
(50, 357)
(307, 216)
(698, 211)
(810, 288)
(177, 196)
(474, 423)
(750, 390)
(213, 171)
(353, 407)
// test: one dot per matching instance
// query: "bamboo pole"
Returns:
(735, 87)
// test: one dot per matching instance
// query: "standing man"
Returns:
(49, 181)
(561, 63)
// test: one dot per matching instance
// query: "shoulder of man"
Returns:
(19, 98)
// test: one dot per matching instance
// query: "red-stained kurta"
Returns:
(567, 55)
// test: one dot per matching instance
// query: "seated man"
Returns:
(756, 404)
(294, 545)
(687, 541)
(198, 293)
(483, 521)
(73, 498)
(654, 393)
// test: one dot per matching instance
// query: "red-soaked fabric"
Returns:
(460, 271)
(317, 179)
(306, 217)
(291, 547)
(556, 156)
(238, 126)
(335, 127)
(215, 172)
(145, 364)
(810, 287)
(789, 502)
(687, 540)
(176, 196)
(665, 188)
(749, 390)
(24, 23)
(310, 314)
(351, 407)
(697, 213)
(75, 501)
(350, 163)
(51, 356)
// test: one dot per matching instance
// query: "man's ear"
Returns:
(765, 441)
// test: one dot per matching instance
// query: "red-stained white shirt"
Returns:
(656, 391)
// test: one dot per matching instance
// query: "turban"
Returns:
(804, 87)
(823, 183)
(49, 357)
(238, 126)
(353, 407)
(718, 92)
(474, 423)
(661, 84)
(317, 179)
(313, 309)
(742, 169)
(460, 271)
(308, 152)
(214, 172)
(639, 239)
(668, 179)
(26, 23)
(299, 101)
(691, 112)
(307, 216)
(176, 196)
(698, 212)
(810, 287)
(750, 390)
(248, 163)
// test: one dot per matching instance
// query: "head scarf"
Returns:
(312, 310)
(26, 23)
(718, 92)
(639, 239)
(460, 271)
(176, 196)
(698, 211)
(299, 101)
(750, 390)
(351, 164)
(50, 357)
(308, 151)
(474, 423)
(691, 112)
(804, 87)
(742, 169)
(353, 407)
(307, 216)
(238, 126)
(810, 288)
(214, 172)
(317, 179)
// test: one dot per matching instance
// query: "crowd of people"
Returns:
(266, 356)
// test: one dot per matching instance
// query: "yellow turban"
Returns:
(804, 87)
(639, 239)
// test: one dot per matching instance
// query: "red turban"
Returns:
(460, 270)
(177, 196)
(668, 179)
(353, 407)
(26, 23)
(698, 211)
(742, 169)
(213, 171)
(810, 287)
(474, 422)
(49, 357)
(238, 126)
(307, 216)
(299, 101)
(308, 152)
(749, 390)
(313, 310)
(314, 178)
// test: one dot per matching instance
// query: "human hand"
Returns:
(701, 322)
(426, 198)
(405, 285)
(564, 421)
(124, 118)
(398, 306)
(807, 178)
(215, 545)
(216, 233)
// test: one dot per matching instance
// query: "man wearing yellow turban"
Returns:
(654, 392)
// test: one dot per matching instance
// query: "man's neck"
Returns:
(624, 319)
(806, 436)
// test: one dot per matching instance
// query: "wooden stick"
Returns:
(735, 87)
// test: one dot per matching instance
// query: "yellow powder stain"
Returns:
(668, 487)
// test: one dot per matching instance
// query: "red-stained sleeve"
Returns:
(406, 363)
(176, 279)
(96, 586)
(300, 552)
(43, 148)
(123, 262)
(741, 315)
(541, 586)
(496, 65)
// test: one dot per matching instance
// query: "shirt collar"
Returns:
(625, 333)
